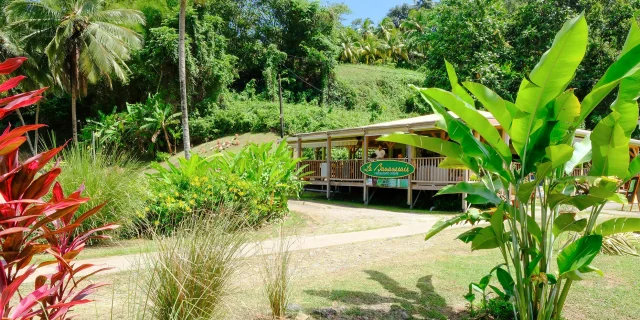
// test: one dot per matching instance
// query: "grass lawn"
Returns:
(393, 278)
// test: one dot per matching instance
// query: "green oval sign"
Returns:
(387, 169)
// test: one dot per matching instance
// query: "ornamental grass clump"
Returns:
(36, 217)
(277, 276)
(191, 272)
(107, 174)
(524, 221)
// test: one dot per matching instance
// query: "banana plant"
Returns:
(541, 124)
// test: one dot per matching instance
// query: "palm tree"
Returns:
(369, 49)
(416, 28)
(393, 46)
(368, 27)
(182, 75)
(158, 120)
(84, 42)
(347, 40)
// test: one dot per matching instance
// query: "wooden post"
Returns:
(365, 158)
(410, 154)
(299, 147)
(281, 112)
(464, 195)
(328, 166)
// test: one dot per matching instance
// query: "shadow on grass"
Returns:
(421, 302)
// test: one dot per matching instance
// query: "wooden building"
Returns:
(357, 146)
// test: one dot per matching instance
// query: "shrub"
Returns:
(192, 270)
(110, 176)
(257, 180)
(31, 225)
(178, 191)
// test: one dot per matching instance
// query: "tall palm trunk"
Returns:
(183, 81)
(74, 92)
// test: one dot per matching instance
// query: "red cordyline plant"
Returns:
(31, 225)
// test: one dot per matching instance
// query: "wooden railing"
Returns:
(347, 170)
(312, 167)
(427, 170)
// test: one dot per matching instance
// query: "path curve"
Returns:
(410, 224)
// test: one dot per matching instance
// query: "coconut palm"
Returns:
(393, 46)
(416, 28)
(368, 28)
(369, 49)
(82, 39)
(347, 40)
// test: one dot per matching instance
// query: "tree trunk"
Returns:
(182, 72)
(73, 116)
(74, 92)
(166, 137)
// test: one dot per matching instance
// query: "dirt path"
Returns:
(406, 224)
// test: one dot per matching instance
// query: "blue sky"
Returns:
(374, 9)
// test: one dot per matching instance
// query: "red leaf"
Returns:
(8, 146)
(13, 230)
(11, 83)
(11, 64)
(28, 302)
(40, 186)
(5, 101)
(58, 194)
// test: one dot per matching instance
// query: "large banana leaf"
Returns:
(471, 147)
(502, 110)
(437, 145)
(579, 254)
(566, 108)
(472, 118)
(548, 79)
(610, 147)
(581, 154)
(558, 65)
(456, 88)
(618, 225)
(475, 188)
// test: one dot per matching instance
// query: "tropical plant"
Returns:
(32, 225)
(347, 41)
(83, 40)
(158, 120)
(257, 182)
(416, 30)
(541, 126)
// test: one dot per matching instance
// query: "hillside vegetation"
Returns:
(360, 95)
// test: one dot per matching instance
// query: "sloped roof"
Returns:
(415, 123)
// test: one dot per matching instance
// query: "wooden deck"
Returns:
(427, 176)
